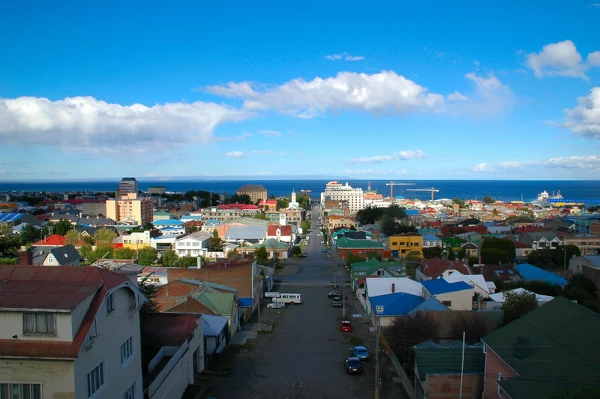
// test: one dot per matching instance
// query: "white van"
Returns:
(276, 304)
(291, 298)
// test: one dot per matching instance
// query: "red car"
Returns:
(345, 326)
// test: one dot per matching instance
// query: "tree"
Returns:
(30, 233)
(283, 203)
(493, 255)
(369, 215)
(146, 256)
(9, 246)
(395, 212)
(432, 252)
(149, 291)
(73, 237)
(500, 244)
(260, 215)
(62, 226)
(296, 251)
(261, 255)
(148, 226)
(214, 243)
(169, 258)
(461, 203)
(123, 253)
(517, 304)
(305, 224)
(488, 200)
(105, 236)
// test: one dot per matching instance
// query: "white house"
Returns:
(456, 296)
(195, 244)
(477, 281)
(215, 334)
(71, 332)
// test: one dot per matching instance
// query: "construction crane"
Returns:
(392, 184)
(432, 190)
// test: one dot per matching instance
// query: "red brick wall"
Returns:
(238, 277)
(494, 365)
(448, 386)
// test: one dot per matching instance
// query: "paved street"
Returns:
(303, 356)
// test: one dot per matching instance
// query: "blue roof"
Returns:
(431, 237)
(172, 228)
(430, 304)
(168, 222)
(412, 212)
(10, 217)
(397, 304)
(440, 286)
(212, 222)
(532, 273)
(245, 302)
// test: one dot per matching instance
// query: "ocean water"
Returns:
(505, 190)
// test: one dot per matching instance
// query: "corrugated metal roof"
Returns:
(246, 233)
(44, 294)
(441, 286)
(10, 217)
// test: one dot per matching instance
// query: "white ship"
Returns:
(544, 196)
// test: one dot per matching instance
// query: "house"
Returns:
(430, 241)
(137, 240)
(55, 240)
(375, 287)
(471, 249)
(547, 350)
(280, 233)
(588, 244)
(62, 256)
(345, 246)
(589, 266)
(95, 222)
(533, 273)
(429, 305)
(500, 297)
(456, 296)
(435, 268)
(398, 304)
(73, 219)
(195, 244)
(502, 272)
(70, 332)
(215, 335)
(248, 234)
(480, 286)
(275, 249)
(166, 223)
(540, 240)
(359, 271)
(173, 354)
(448, 370)
(403, 245)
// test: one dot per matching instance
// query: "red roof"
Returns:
(285, 230)
(169, 329)
(55, 240)
(433, 268)
(34, 287)
(242, 207)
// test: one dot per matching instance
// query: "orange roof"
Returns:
(285, 230)
(55, 240)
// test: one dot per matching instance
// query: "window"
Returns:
(130, 394)
(95, 380)
(500, 390)
(110, 303)
(126, 351)
(447, 303)
(39, 323)
(92, 334)
(21, 391)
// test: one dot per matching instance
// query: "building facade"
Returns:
(335, 191)
(256, 192)
(130, 206)
(128, 185)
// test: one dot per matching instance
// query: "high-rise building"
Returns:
(128, 185)
(130, 206)
(335, 191)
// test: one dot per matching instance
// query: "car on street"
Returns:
(324, 250)
(345, 326)
(331, 294)
(353, 365)
(276, 304)
(337, 301)
(360, 352)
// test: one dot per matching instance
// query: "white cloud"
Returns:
(593, 59)
(101, 128)
(561, 59)
(235, 154)
(270, 133)
(397, 156)
(585, 163)
(457, 96)
(345, 57)
(482, 167)
(584, 119)
(381, 93)
(408, 154)
(261, 152)
(373, 159)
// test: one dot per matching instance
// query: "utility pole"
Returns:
(259, 325)
(378, 311)
(343, 298)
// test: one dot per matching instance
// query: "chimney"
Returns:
(393, 288)
(26, 258)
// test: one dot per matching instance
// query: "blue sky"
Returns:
(377, 90)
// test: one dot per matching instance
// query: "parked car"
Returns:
(345, 326)
(360, 352)
(353, 365)
(331, 294)
(324, 249)
(276, 304)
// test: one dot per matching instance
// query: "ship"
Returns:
(544, 196)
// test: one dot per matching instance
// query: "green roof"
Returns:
(349, 243)
(440, 359)
(272, 243)
(367, 268)
(218, 302)
(553, 347)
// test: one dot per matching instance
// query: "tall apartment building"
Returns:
(128, 185)
(335, 191)
(130, 206)
(256, 192)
